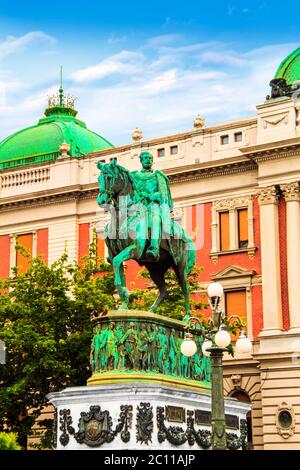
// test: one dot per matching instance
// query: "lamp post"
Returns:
(2, 352)
(215, 344)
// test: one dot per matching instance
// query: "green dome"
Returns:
(42, 142)
(290, 68)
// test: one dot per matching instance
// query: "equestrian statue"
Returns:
(142, 227)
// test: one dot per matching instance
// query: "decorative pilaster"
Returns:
(12, 252)
(291, 193)
(270, 261)
(214, 235)
(233, 244)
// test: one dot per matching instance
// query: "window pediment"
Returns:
(233, 272)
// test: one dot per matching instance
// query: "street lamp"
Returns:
(2, 352)
(217, 339)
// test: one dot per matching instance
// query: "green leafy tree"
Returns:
(45, 324)
(9, 441)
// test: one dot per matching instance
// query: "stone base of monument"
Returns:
(141, 416)
(143, 393)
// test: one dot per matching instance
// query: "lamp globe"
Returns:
(222, 338)
(215, 290)
(206, 345)
(243, 344)
(188, 346)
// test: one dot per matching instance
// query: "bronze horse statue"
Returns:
(127, 237)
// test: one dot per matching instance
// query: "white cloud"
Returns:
(160, 83)
(223, 58)
(123, 63)
(160, 88)
(13, 44)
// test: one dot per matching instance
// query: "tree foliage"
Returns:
(9, 441)
(45, 324)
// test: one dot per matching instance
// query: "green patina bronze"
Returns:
(142, 228)
(145, 343)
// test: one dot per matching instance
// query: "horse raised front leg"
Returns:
(120, 279)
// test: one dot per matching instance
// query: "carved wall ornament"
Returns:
(232, 203)
(176, 435)
(251, 252)
(125, 422)
(94, 427)
(275, 120)
(291, 191)
(144, 423)
(65, 421)
(285, 420)
(268, 195)
(236, 380)
(214, 258)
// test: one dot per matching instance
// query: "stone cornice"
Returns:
(42, 198)
(208, 170)
(271, 151)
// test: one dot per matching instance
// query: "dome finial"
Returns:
(61, 91)
(59, 103)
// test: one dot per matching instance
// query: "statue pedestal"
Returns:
(143, 393)
(137, 416)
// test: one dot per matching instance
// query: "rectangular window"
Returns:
(161, 152)
(238, 136)
(242, 227)
(224, 139)
(22, 258)
(224, 230)
(174, 149)
(236, 304)
(100, 247)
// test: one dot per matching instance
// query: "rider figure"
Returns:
(154, 192)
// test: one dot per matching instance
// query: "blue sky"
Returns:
(154, 64)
